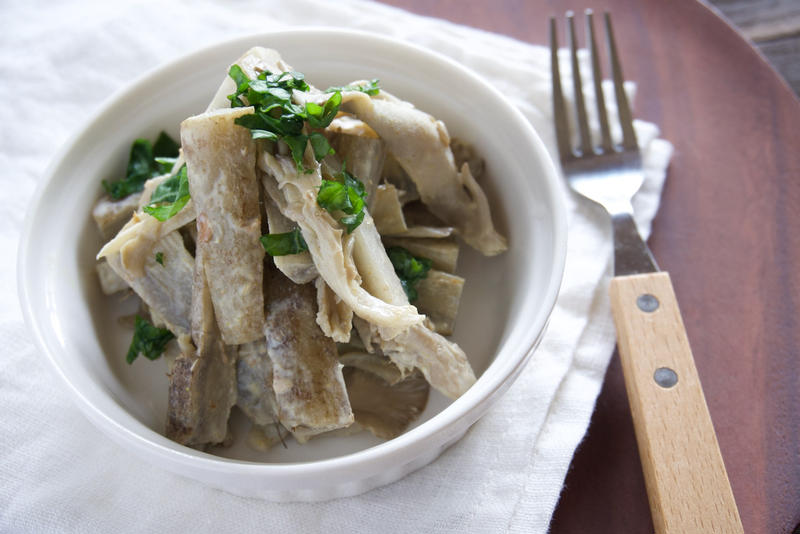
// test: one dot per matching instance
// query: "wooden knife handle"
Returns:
(687, 485)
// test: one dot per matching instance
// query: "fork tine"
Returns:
(625, 117)
(580, 106)
(559, 109)
(598, 87)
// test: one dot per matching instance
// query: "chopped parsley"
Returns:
(344, 194)
(165, 147)
(147, 340)
(371, 88)
(277, 118)
(320, 145)
(146, 160)
(321, 116)
(160, 258)
(284, 244)
(409, 268)
(170, 196)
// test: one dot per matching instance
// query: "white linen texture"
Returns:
(59, 473)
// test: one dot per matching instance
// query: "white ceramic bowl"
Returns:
(506, 302)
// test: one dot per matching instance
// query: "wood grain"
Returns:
(762, 20)
(774, 27)
(728, 231)
(687, 484)
(784, 54)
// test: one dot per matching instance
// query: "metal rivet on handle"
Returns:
(665, 377)
(647, 303)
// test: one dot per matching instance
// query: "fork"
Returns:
(687, 485)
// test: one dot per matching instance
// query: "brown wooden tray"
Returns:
(729, 234)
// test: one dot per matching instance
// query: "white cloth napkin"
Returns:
(59, 473)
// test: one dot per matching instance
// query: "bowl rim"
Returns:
(413, 442)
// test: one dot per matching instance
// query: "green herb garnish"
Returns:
(321, 116)
(320, 145)
(297, 146)
(160, 258)
(165, 147)
(409, 268)
(147, 340)
(165, 165)
(284, 244)
(351, 222)
(344, 194)
(371, 88)
(146, 160)
(277, 118)
(170, 196)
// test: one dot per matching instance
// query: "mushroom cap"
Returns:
(384, 409)
(372, 363)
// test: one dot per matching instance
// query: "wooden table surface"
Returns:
(728, 231)
(774, 27)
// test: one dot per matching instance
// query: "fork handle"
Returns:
(687, 485)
